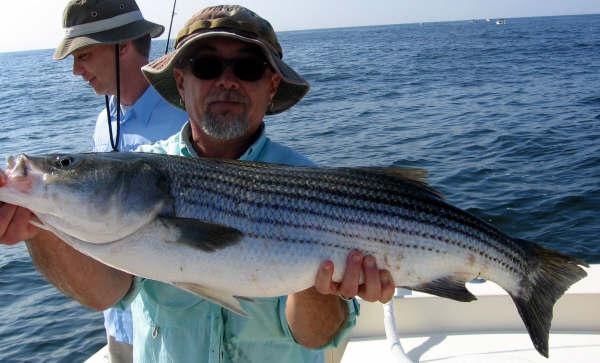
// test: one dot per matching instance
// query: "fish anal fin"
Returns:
(449, 287)
(222, 298)
(208, 237)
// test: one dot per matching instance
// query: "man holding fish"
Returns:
(227, 72)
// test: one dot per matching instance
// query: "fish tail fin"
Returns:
(548, 276)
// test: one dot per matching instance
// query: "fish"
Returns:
(231, 230)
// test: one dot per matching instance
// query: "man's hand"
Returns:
(316, 314)
(14, 224)
(14, 221)
(378, 285)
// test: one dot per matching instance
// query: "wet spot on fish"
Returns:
(386, 260)
(471, 259)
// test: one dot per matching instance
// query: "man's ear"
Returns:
(178, 76)
(275, 81)
(124, 48)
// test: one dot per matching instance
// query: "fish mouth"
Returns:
(10, 162)
(18, 167)
(18, 174)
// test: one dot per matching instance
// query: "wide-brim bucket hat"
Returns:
(92, 22)
(235, 22)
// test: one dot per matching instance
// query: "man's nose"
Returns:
(77, 69)
(228, 79)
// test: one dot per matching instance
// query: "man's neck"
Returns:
(132, 90)
(133, 82)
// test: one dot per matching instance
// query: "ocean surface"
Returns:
(506, 119)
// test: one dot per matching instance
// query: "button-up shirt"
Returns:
(172, 325)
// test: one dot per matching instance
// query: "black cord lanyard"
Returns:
(114, 141)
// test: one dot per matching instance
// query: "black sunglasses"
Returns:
(245, 68)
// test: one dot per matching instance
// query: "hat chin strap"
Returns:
(104, 24)
(114, 142)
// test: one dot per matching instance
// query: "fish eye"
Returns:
(63, 161)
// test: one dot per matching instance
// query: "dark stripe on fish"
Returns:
(321, 228)
(473, 233)
(290, 186)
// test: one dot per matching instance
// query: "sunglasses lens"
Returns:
(207, 67)
(249, 69)
(210, 67)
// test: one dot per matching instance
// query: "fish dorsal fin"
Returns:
(415, 176)
(222, 298)
(449, 287)
(208, 237)
(410, 174)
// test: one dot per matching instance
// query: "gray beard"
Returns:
(223, 128)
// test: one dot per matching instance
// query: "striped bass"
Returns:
(228, 229)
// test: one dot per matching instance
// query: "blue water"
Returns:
(505, 118)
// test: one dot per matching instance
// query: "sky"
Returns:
(37, 24)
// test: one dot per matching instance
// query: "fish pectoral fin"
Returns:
(222, 298)
(208, 237)
(449, 287)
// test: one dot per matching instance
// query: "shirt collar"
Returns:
(141, 108)
(252, 153)
(187, 149)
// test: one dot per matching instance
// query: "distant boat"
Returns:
(500, 21)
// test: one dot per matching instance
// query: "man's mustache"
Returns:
(227, 96)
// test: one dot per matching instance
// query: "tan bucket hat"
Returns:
(230, 21)
(90, 22)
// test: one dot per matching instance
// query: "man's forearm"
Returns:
(84, 279)
(314, 318)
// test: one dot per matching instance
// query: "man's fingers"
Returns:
(388, 286)
(14, 224)
(2, 181)
(349, 285)
(371, 288)
(7, 213)
(323, 282)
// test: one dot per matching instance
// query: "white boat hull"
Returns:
(434, 329)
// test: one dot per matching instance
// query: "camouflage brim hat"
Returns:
(236, 22)
(91, 22)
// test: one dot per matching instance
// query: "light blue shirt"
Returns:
(148, 120)
(171, 325)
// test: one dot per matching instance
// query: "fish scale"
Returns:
(329, 196)
(211, 182)
(226, 228)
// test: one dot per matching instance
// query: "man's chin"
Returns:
(226, 128)
(99, 91)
